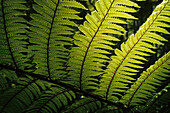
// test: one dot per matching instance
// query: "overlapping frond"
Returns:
(43, 31)
(159, 102)
(84, 105)
(12, 40)
(148, 82)
(98, 34)
(133, 52)
(52, 100)
(51, 30)
(20, 95)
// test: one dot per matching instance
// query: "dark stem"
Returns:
(67, 86)
(81, 71)
(48, 43)
(127, 55)
(6, 34)
(6, 104)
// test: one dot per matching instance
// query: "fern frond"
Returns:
(96, 39)
(84, 105)
(62, 84)
(51, 30)
(20, 95)
(159, 102)
(52, 100)
(148, 82)
(12, 41)
(128, 60)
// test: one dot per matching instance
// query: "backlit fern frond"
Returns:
(20, 95)
(49, 64)
(128, 60)
(12, 40)
(51, 30)
(98, 33)
(148, 82)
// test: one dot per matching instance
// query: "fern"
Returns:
(96, 41)
(51, 31)
(12, 24)
(146, 84)
(22, 94)
(52, 100)
(128, 60)
(159, 99)
(84, 105)
(59, 56)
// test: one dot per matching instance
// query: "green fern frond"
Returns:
(12, 40)
(69, 61)
(84, 105)
(148, 82)
(52, 100)
(51, 30)
(20, 95)
(133, 53)
(98, 34)
(160, 101)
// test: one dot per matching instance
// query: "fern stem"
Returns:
(81, 71)
(127, 55)
(67, 86)
(48, 43)
(6, 34)
(156, 99)
(145, 79)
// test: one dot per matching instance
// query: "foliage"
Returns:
(55, 59)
